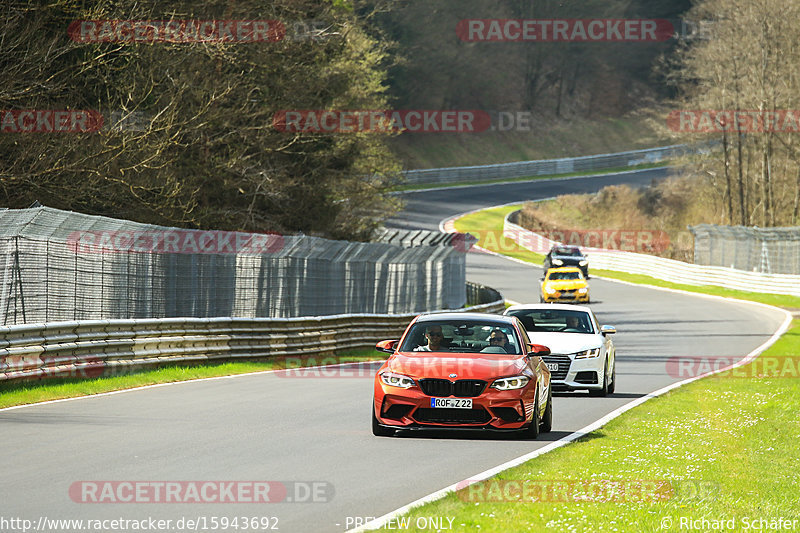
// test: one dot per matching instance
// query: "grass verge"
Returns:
(424, 186)
(720, 448)
(26, 392)
(487, 225)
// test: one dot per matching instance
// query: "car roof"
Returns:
(436, 317)
(564, 269)
(558, 247)
(563, 307)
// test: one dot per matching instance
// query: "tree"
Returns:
(188, 137)
(748, 65)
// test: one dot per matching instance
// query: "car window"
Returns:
(568, 252)
(555, 320)
(466, 336)
(564, 275)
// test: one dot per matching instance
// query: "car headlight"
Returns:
(583, 263)
(588, 353)
(583, 290)
(397, 380)
(558, 262)
(549, 290)
(517, 382)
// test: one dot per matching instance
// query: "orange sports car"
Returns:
(463, 371)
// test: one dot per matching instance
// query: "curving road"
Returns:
(268, 427)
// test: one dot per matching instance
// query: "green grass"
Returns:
(484, 225)
(487, 225)
(424, 186)
(717, 448)
(25, 392)
(778, 300)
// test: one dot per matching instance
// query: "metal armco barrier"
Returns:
(545, 167)
(93, 348)
(666, 269)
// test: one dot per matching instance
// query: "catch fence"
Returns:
(58, 265)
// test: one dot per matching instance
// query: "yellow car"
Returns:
(565, 284)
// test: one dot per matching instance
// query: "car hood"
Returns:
(563, 343)
(563, 284)
(464, 366)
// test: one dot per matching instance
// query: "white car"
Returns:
(582, 355)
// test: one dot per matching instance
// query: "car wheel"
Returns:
(532, 431)
(547, 419)
(377, 429)
(613, 385)
(604, 391)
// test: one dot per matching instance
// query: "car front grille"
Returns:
(463, 388)
(563, 366)
(452, 416)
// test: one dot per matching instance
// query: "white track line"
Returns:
(381, 521)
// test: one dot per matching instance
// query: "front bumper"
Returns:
(579, 374)
(562, 297)
(492, 410)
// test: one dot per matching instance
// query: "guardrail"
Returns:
(544, 167)
(666, 269)
(93, 348)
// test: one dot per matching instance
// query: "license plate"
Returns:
(452, 403)
(552, 367)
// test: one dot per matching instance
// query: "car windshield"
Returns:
(462, 336)
(575, 252)
(565, 320)
(564, 275)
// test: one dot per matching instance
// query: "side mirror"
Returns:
(386, 346)
(538, 349)
(608, 330)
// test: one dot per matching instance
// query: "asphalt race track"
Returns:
(267, 427)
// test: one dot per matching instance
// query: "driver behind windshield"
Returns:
(498, 338)
(435, 338)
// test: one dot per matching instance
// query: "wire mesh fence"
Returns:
(58, 265)
(767, 250)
